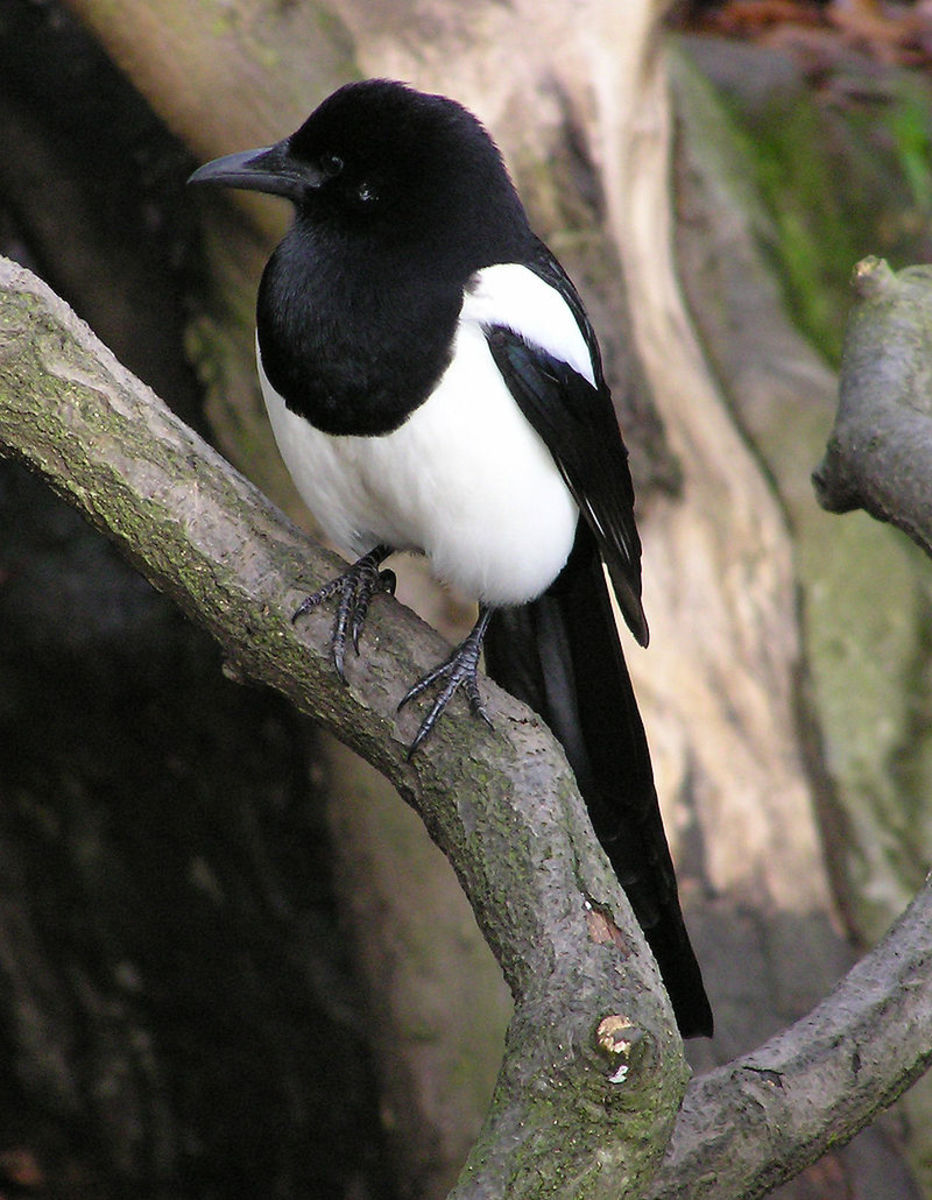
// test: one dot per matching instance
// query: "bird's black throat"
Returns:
(353, 339)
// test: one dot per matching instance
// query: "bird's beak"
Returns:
(271, 169)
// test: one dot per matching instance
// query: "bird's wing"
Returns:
(548, 268)
(577, 423)
(560, 653)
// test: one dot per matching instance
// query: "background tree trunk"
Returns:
(741, 699)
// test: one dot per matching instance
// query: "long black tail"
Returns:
(561, 655)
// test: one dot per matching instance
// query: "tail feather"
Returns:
(561, 655)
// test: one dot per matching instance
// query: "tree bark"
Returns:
(579, 101)
(565, 1120)
(503, 807)
(816, 1083)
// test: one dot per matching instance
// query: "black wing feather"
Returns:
(543, 264)
(561, 654)
(577, 424)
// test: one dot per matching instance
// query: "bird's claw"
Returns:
(461, 669)
(355, 586)
(371, 584)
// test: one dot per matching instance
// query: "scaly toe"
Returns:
(355, 587)
(461, 669)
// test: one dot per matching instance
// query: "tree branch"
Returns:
(593, 1070)
(823, 1079)
(880, 449)
(817, 1083)
(502, 805)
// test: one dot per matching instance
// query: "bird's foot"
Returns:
(355, 587)
(461, 669)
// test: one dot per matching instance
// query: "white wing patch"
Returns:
(511, 295)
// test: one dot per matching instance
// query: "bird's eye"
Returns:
(331, 164)
(366, 193)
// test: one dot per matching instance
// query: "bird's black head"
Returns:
(380, 158)
(400, 198)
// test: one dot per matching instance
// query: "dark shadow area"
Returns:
(178, 1013)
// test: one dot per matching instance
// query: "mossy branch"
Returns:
(816, 1084)
(502, 805)
(593, 1072)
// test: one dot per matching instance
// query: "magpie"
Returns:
(434, 385)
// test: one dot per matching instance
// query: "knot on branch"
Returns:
(622, 1043)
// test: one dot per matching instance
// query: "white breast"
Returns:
(465, 479)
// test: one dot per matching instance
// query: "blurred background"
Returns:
(231, 962)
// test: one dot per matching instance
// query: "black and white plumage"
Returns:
(434, 385)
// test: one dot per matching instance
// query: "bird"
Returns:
(435, 386)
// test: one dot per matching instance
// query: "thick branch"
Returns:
(825, 1077)
(817, 1083)
(502, 805)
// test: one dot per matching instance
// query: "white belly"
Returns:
(466, 480)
